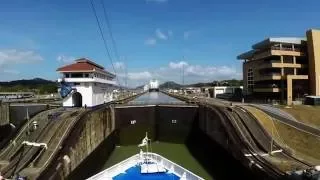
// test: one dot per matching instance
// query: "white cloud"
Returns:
(193, 73)
(119, 65)
(204, 71)
(65, 59)
(157, 1)
(144, 75)
(150, 41)
(9, 57)
(178, 65)
(186, 35)
(161, 35)
(10, 71)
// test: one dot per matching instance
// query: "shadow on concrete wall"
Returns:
(198, 138)
(173, 124)
(163, 123)
(5, 131)
(17, 116)
(133, 123)
(92, 164)
(214, 158)
(18, 113)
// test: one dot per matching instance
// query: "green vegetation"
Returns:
(306, 114)
(177, 153)
(303, 145)
(173, 85)
(39, 86)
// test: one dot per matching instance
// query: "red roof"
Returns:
(82, 65)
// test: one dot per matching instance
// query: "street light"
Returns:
(28, 125)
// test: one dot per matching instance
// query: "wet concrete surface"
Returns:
(154, 98)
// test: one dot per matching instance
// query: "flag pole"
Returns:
(147, 146)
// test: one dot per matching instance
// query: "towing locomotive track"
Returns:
(246, 141)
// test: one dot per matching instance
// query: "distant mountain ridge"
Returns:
(174, 85)
(37, 85)
(35, 81)
(170, 85)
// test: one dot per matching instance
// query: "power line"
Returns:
(106, 17)
(115, 48)
(104, 40)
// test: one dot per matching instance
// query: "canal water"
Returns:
(155, 98)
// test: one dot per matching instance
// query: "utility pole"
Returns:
(271, 143)
(125, 71)
(182, 74)
(28, 123)
(126, 75)
(183, 71)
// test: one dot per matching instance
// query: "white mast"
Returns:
(147, 145)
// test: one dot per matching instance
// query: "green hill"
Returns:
(37, 85)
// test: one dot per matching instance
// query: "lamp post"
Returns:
(28, 124)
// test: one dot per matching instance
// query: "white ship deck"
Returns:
(155, 164)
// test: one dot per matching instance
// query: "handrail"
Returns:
(134, 160)
(177, 169)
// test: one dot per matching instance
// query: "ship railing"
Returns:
(174, 168)
(116, 169)
(136, 159)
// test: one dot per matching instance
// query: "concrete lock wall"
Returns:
(4, 121)
(163, 123)
(86, 148)
(4, 114)
(15, 114)
(208, 144)
(95, 136)
(18, 113)
(173, 124)
(132, 124)
(210, 122)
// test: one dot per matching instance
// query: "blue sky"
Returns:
(152, 36)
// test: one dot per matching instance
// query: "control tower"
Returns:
(85, 83)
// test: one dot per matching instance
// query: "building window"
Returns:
(76, 84)
(86, 75)
(67, 75)
(250, 80)
(76, 75)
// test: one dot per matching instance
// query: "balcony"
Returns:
(296, 49)
(266, 89)
(268, 76)
(278, 64)
(89, 79)
(275, 51)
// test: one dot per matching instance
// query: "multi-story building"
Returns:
(283, 68)
(85, 83)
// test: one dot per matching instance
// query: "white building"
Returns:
(192, 90)
(85, 83)
(146, 87)
(224, 90)
(154, 85)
